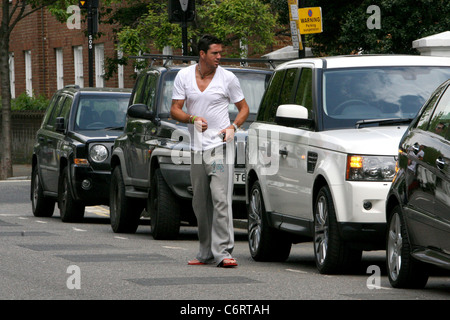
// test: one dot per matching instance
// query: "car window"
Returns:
(167, 87)
(424, 119)
(270, 100)
(65, 110)
(253, 86)
(55, 112)
(287, 91)
(139, 89)
(356, 94)
(50, 108)
(440, 121)
(150, 92)
(304, 91)
(96, 112)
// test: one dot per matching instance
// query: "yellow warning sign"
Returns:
(310, 20)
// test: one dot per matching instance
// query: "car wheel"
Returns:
(125, 212)
(403, 270)
(164, 209)
(332, 254)
(265, 243)
(42, 206)
(70, 209)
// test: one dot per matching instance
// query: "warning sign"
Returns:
(310, 20)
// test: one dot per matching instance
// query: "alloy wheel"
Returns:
(321, 234)
(255, 220)
(394, 247)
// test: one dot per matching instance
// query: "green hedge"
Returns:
(25, 103)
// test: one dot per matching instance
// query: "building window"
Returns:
(120, 70)
(59, 68)
(99, 64)
(28, 73)
(78, 65)
(12, 76)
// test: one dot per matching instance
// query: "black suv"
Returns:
(151, 160)
(71, 157)
(418, 204)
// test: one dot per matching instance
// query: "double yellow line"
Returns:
(102, 211)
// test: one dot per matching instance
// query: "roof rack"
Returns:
(242, 62)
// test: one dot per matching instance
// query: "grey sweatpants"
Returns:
(212, 176)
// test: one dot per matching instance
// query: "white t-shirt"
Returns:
(211, 104)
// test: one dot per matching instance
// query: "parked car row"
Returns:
(318, 160)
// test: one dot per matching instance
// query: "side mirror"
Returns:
(293, 115)
(59, 125)
(140, 111)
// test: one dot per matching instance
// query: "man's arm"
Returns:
(177, 113)
(243, 111)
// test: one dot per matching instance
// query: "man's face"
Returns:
(212, 57)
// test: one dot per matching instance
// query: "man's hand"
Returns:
(227, 134)
(200, 124)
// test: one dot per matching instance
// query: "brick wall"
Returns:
(41, 33)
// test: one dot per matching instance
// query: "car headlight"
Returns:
(98, 153)
(370, 168)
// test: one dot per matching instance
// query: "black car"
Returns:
(418, 204)
(71, 157)
(151, 160)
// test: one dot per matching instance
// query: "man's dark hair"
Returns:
(207, 40)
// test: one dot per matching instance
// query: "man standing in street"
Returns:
(208, 89)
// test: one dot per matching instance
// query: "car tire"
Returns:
(164, 209)
(331, 253)
(403, 270)
(42, 206)
(125, 212)
(70, 209)
(265, 242)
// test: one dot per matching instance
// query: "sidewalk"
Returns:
(21, 172)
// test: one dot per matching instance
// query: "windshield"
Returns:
(253, 85)
(350, 95)
(101, 111)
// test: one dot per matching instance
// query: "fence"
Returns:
(24, 126)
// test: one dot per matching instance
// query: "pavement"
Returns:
(21, 172)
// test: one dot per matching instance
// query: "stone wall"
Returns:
(24, 125)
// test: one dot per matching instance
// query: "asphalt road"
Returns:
(45, 259)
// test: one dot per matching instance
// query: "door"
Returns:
(48, 150)
(440, 129)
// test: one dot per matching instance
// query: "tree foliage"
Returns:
(402, 21)
(251, 21)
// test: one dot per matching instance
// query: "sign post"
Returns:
(182, 11)
(295, 33)
(92, 21)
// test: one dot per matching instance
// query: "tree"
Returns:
(11, 14)
(252, 22)
(347, 30)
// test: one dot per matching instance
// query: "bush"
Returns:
(26, 103)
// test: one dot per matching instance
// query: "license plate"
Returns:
(239, 178)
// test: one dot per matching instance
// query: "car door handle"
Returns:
(283, 152)
(440, 163)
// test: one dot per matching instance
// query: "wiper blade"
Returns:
(114, 128)
(383, 122)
